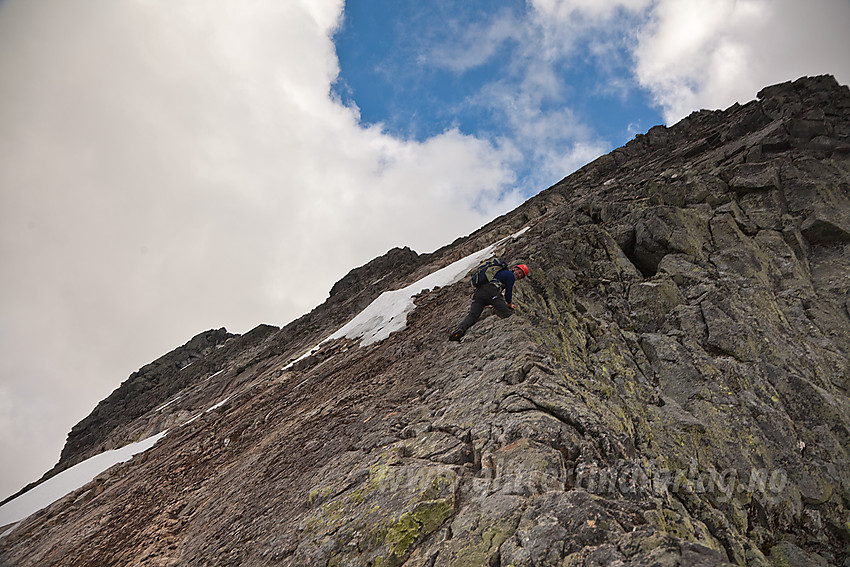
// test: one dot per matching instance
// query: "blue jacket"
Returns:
(506, 278)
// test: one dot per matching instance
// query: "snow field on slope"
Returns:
(78, 476)
(388, 313)
(70, 480)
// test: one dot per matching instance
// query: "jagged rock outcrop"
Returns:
(140, 393)
(673, 389)
(397, 262)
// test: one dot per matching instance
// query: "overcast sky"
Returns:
(170, 166)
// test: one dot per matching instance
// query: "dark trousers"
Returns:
(486, 295)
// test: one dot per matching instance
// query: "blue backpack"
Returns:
(485, 273)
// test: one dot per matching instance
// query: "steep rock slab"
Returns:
(672, 390)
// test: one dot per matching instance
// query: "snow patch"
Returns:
(388, 313)
(191, 420)
(218, 405)
(209, 409)
(68, 481)
(166, 404)
(313, 350)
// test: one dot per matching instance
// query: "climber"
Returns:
(489, 280)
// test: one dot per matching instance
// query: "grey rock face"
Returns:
(138, 394)
(395, 262)
(673, 389)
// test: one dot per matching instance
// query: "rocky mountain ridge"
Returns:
(673, 389)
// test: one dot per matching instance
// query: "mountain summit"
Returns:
(672, 389)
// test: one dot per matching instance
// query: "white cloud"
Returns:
(530, 92)
(713, 53)
(702, 53)
(476, 42)
(168, 168)
(595, 26)
(561, 12)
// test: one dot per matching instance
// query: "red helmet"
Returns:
(524, 269)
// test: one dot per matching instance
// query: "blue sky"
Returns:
(392, 66)
(171, 167)
(420, 68)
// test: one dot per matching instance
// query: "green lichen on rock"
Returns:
(431, 515)
(366, 511)
(480, 551)
(401, 535)
(423, 520)
(319, 494)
